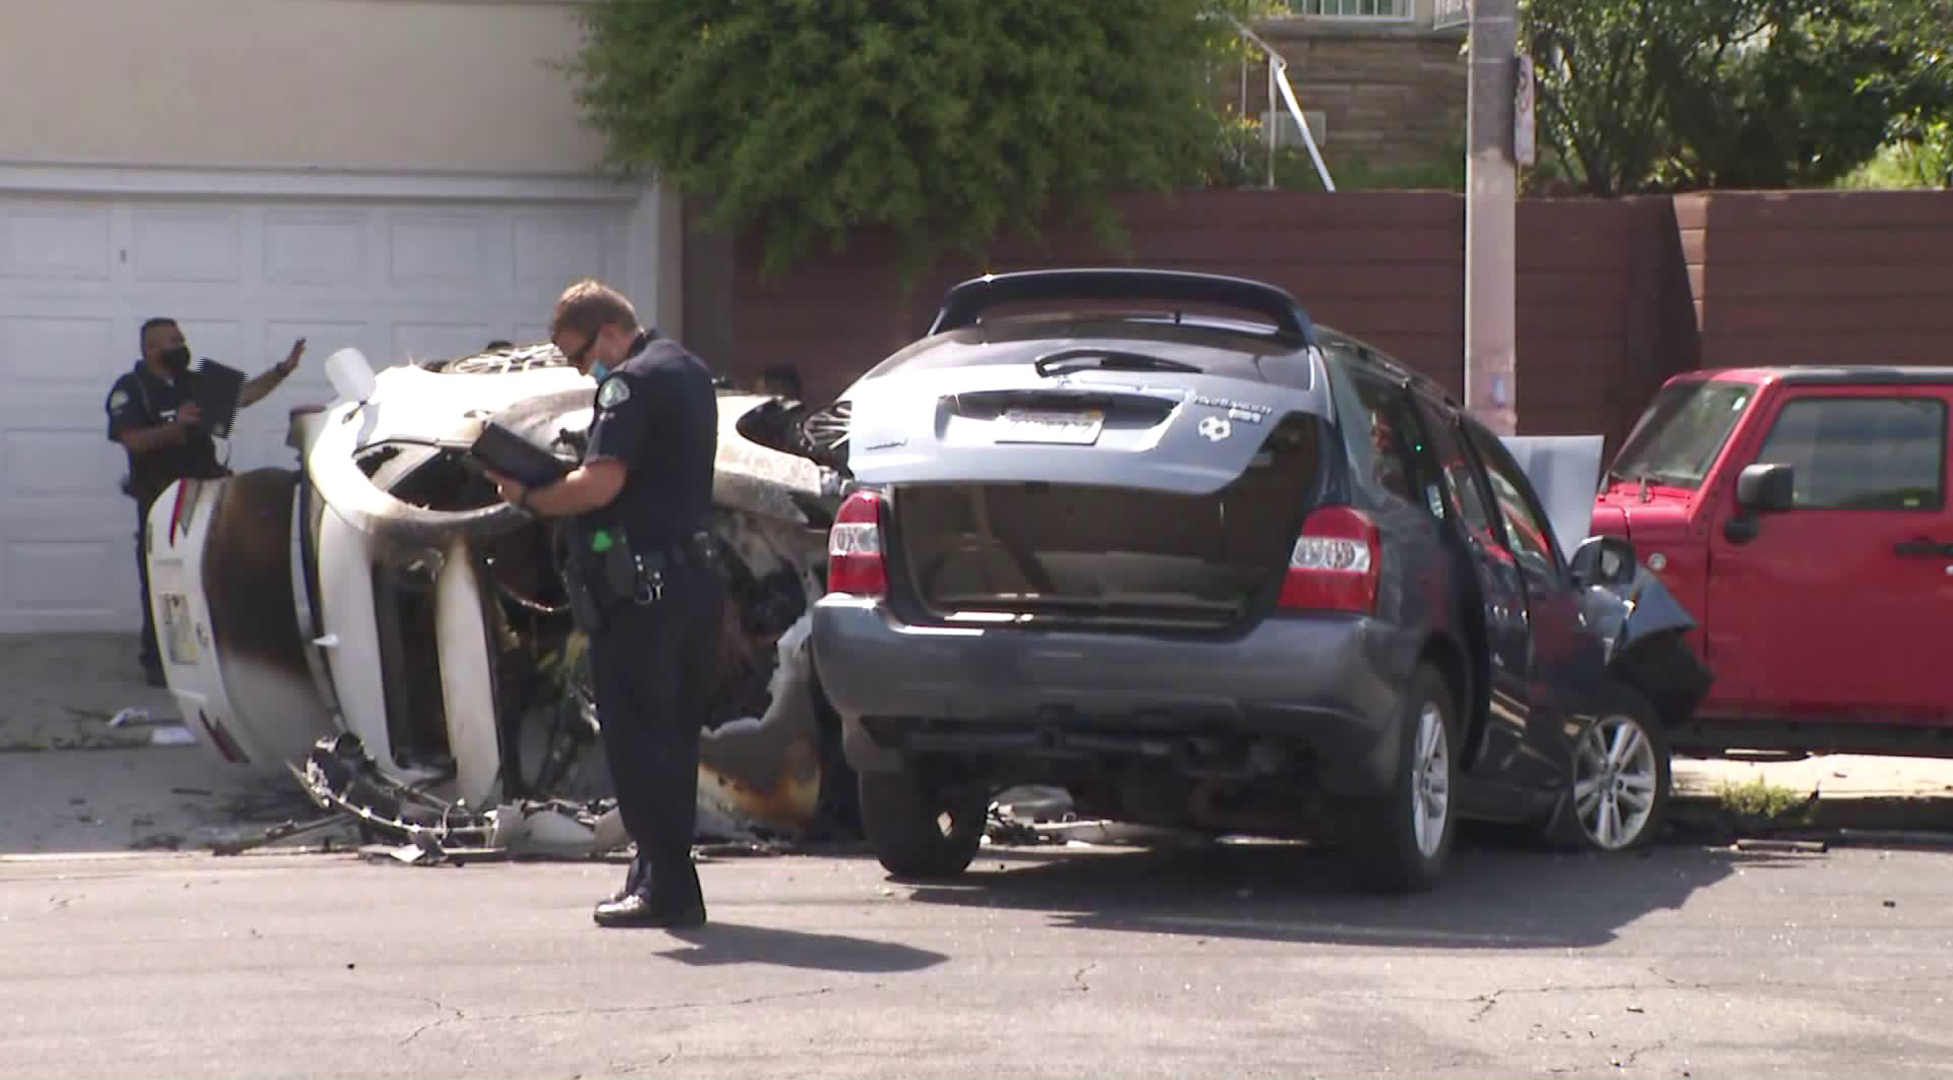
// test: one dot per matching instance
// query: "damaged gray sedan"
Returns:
(1235, 574)
(380, 623)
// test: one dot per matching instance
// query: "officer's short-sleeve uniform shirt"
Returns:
(658, 414)
(141, 399)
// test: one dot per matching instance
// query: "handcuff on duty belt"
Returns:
(638, 577)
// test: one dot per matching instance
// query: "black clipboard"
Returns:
(505, 452)
(217, 393)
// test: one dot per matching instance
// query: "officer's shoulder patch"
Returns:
(615, 392)
(118, 399)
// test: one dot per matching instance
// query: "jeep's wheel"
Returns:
(1619, 778)
(1404, 838)
(919, 829)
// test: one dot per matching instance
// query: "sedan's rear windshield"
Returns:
(1209, 347)
(1683, 431)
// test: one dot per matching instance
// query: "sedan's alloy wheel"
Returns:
(1614, 780)
(1431, 789)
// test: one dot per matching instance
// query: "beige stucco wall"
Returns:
(383, 84)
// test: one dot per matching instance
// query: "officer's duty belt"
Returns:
(695, 552)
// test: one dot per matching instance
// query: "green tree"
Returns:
(1800, 92)
(1605, 74)
(945, 121)
(1651, 95)
(1920, 33)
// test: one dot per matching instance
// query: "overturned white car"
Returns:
(377, 621)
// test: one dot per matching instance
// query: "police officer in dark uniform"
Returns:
(644, 579)
(152, 412)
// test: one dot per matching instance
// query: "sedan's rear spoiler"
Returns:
(965, 302)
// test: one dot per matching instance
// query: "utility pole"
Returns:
(1491, 383)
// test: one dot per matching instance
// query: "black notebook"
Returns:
(513, 456)
(218, 388)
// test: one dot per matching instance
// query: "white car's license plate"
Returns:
(179, 629)
(1068, 428)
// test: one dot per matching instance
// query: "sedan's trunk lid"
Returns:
(1125, 493)
(1076, 422)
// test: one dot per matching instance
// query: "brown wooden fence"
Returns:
(1614, 296)
(1821, 277)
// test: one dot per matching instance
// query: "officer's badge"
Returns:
(615, 392)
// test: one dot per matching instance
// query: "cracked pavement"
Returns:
(1252, 960)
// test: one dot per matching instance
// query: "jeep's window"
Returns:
(1529, 537)
(1862, 453)
(1678, 440)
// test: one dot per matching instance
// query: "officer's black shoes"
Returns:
(634, 879)
(640, 910)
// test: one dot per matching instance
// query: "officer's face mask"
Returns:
(599, 370)
(175, 359)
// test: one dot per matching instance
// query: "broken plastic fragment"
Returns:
(130, 715)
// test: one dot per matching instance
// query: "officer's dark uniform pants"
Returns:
(653, 668)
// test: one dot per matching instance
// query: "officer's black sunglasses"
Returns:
(576, 358)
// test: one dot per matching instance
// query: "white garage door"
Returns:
(244, 277)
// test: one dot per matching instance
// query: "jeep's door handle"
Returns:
(1740, 530)
(1923, 548)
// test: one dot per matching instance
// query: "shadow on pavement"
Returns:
(733, 943)
(1493, 896)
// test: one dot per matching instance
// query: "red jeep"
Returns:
(1800, 514)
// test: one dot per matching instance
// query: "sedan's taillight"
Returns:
(1333, 566)
(854, 547)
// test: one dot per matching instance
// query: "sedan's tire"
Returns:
(918, 829)
(1618, 780)
(1402, 840)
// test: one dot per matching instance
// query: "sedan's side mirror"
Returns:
(1604, 560)
(1766, 488)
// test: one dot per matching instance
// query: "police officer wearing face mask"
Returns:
(152, 412)
(644, 580)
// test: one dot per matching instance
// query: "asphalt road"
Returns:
(1218, 961)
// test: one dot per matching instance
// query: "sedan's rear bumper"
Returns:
(1321, 686)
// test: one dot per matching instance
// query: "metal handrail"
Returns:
(1278, 82)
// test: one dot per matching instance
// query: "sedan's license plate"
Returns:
(1067, 428)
